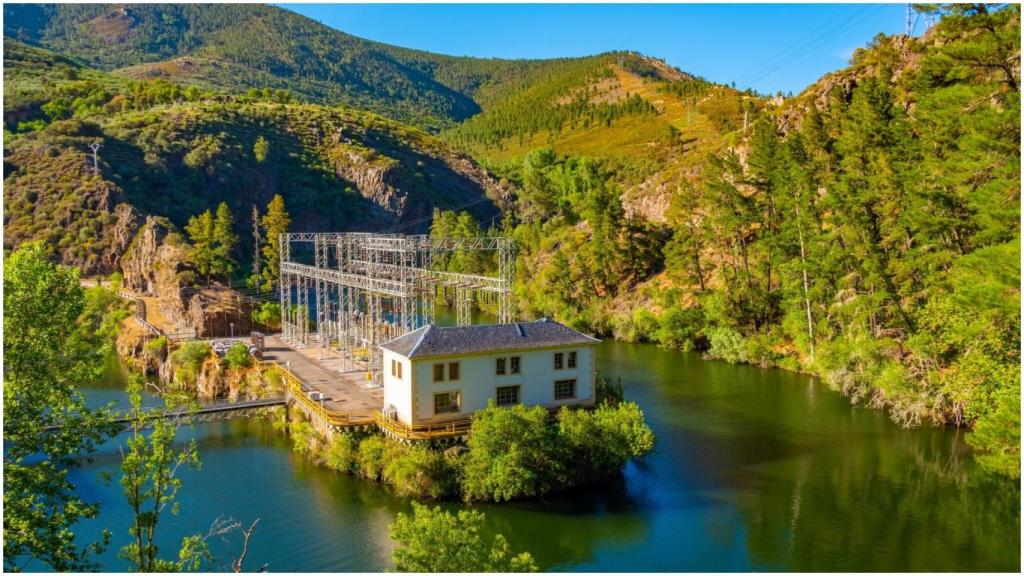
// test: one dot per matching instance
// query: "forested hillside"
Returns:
(171, 151)
(242, 46)
(866, 231)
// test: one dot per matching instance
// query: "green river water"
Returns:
(754, 470)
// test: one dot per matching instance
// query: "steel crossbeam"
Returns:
(369, 288)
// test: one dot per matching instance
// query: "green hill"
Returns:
(242, 46)
(174, 152)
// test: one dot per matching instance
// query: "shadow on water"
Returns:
(754, 470)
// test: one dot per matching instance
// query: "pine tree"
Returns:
(261, 149)
(201, 234)
(275, 223)
(224, 239)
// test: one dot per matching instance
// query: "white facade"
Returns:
(413, 392)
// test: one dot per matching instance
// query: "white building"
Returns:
(441, 373)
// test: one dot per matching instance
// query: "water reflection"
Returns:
(754, 470)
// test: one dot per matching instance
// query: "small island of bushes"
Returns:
(512, 453)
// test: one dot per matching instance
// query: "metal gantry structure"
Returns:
(365, 289)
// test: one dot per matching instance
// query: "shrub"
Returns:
(157, 348)
(304, 437)
(599, 443)
(512, 453)
(432, 540)
(267, 315)
(188, 359)
(680, 327)
(760, 350)
(370, 460)
(726, 344)
(418, 471)
(342, 453)
(238, 356)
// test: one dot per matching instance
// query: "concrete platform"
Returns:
(343, 391)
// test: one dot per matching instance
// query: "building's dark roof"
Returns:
(446, 340)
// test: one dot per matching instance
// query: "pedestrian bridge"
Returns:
(203, 413)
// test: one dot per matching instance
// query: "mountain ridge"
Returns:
(267, 46)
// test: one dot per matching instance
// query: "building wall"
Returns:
(398, 392)
(478, 382)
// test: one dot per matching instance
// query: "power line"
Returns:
(809, 49)
(796, 45)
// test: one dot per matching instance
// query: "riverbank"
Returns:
(755, 469)
(512, 453)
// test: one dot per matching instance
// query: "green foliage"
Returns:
(726, 344)
(261, 149)
(46, 358)
(149, 467)
(680, 328)
(157, 348)
(188, 360)
(342, 453)
(419, 471)
(200, 234)
(238, 356)
(213, 241)
(224, 241)
(519, 452)
(102, 317)
(267, 315)
(513, 453)
(275, 222)
(997, 433)
(600, 442)
(433, 540)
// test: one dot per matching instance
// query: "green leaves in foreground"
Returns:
(149, 467)
(432, 540)
(47, 428)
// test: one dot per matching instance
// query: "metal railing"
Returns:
(297, 391)
(300, 394)
(423, 431)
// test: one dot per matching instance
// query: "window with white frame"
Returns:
(572, 360)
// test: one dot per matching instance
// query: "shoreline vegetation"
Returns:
(865, 231)
(512, 453)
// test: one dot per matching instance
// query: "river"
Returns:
(754, 470)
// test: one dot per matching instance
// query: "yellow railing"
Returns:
(342, 419)
(294, 386)
(423, 431)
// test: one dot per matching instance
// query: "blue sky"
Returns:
(768, 47)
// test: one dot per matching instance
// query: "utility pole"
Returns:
(745, 113)
(909, 10)
(256, 245)
(95, 146)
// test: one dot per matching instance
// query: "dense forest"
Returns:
(865, 231)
